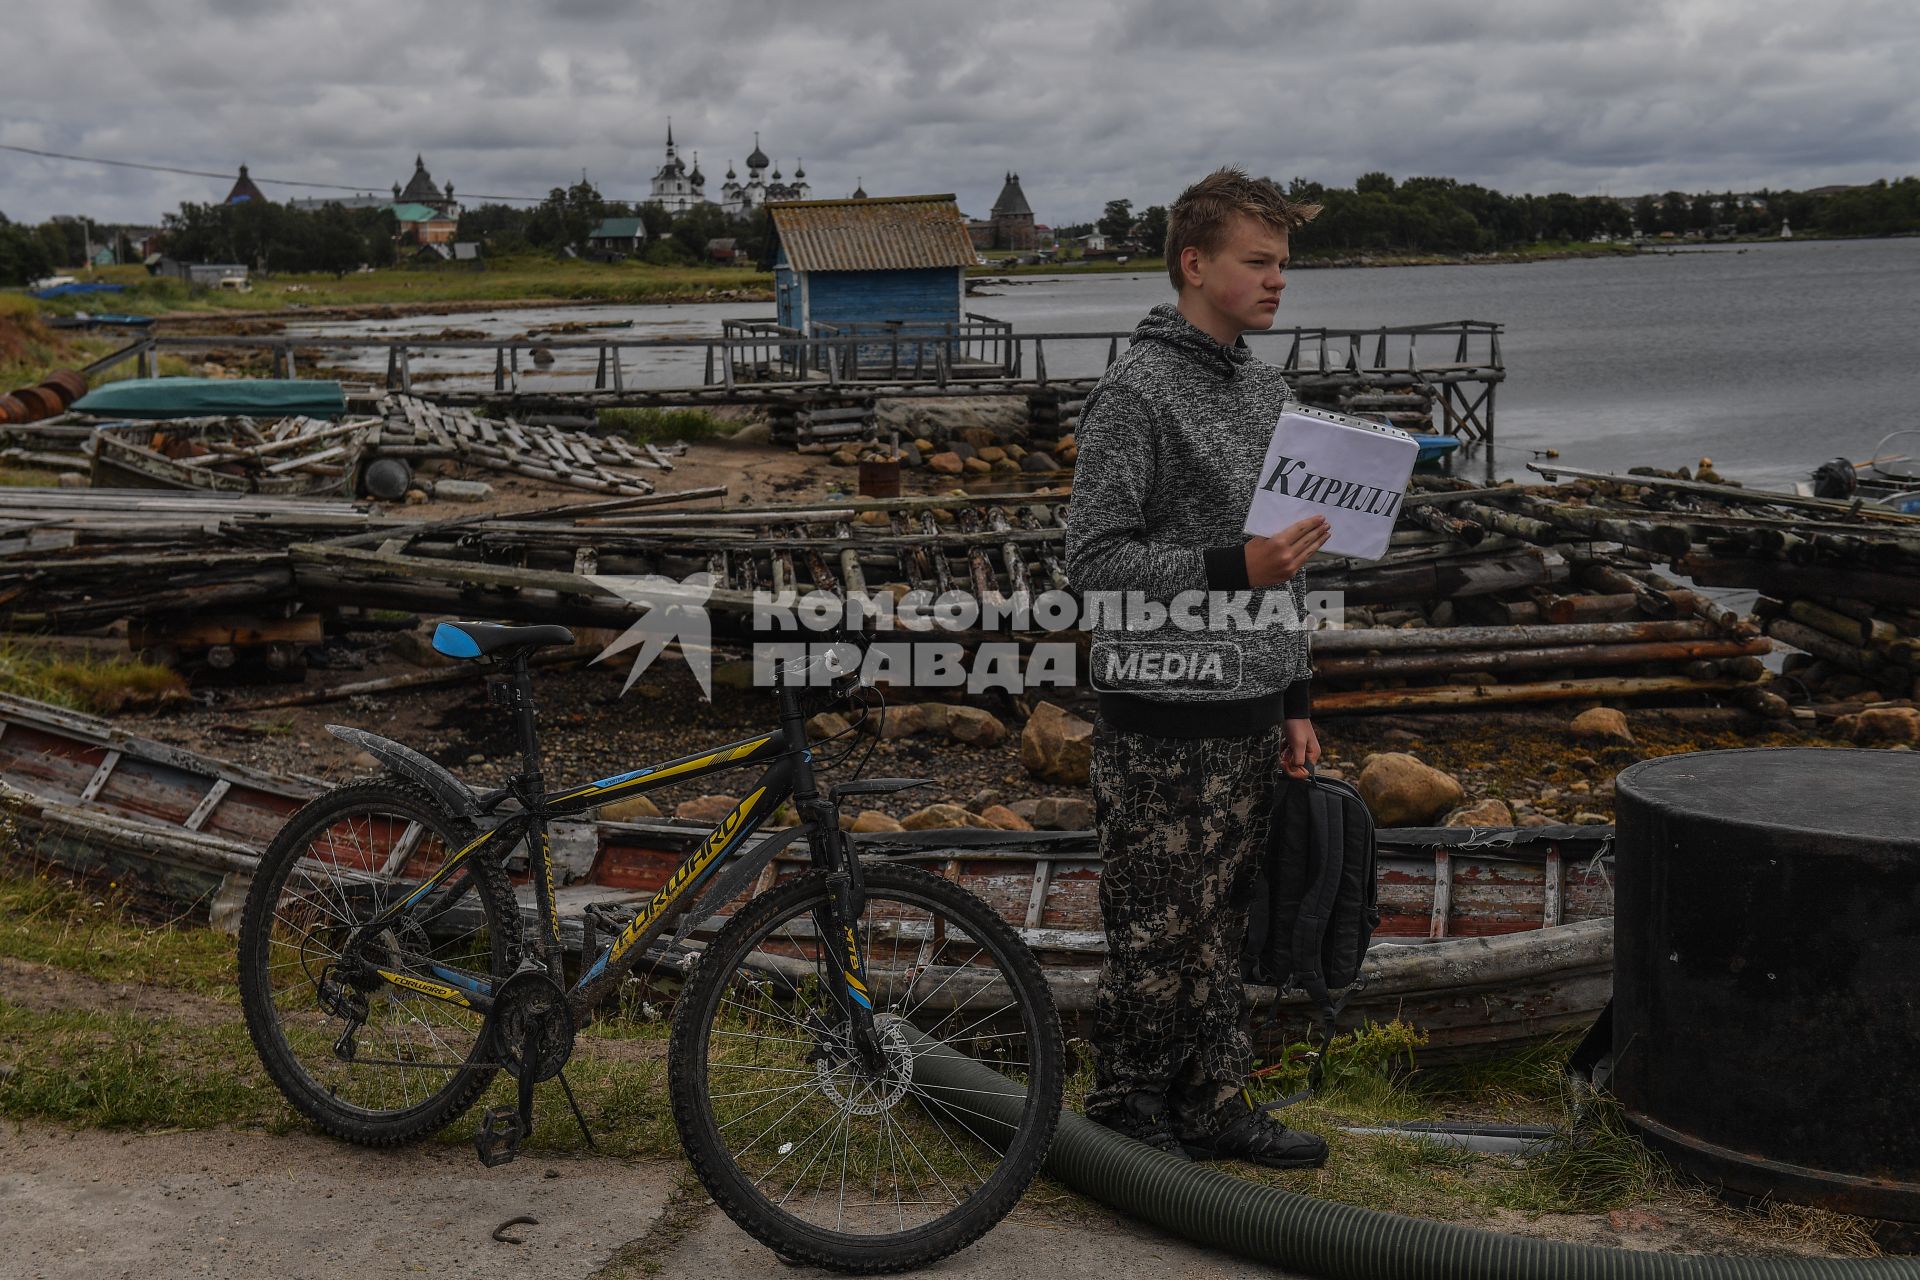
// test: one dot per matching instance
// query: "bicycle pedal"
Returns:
(498, 1140)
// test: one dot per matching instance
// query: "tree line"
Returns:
(1376, 215)
(1443, 215)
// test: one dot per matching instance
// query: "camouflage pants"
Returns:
(1181, 823)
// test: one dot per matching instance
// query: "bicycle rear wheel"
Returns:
(821, 1156)
(365, 1057)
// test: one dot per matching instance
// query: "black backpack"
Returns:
(1315, 902)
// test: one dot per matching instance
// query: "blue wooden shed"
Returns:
(867, 265)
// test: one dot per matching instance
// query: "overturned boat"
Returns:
(1491, 938)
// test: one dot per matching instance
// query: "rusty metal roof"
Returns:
(890, 233)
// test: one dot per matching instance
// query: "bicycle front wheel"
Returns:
(830, 1159)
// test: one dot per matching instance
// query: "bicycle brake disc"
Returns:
(532, 1026)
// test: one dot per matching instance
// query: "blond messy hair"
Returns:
(1202, 215)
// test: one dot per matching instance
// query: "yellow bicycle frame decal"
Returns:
(685, 874)
(437, 990)
(446, 869)
(620, 782)
(853, 971)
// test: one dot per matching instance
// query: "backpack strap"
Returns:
(1326, 825)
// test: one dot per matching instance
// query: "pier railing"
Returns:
(1455, 365)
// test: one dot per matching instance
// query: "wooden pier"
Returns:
(1373, 371)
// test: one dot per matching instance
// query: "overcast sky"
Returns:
(1087, 101)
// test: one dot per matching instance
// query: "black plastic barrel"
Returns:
(1767, 971)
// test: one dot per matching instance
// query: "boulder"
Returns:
(827, 724)
(707, 809)
(1039, 463)
(1024, 807)
(1487, 813)
(975, 467)
(1401, 791)
(846, 457)
(632, 809)
(947, 464)
(870, 820)
(978, 437)
(753, 433)
(1062, 813)
(1003, 818)
(974, 726)
(962, 450)
(991, 453)
(982, 800)
(934, 716)
(1057, 745)
(1881, 724)
(899, 721)
(1603, 723)
(462, 490)
(940, 815)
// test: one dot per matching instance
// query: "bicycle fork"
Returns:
(838, 928)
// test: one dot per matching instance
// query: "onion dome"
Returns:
(758, 160)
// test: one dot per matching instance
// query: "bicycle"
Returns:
(387, 975)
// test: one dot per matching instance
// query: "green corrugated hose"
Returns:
(1336, 1241)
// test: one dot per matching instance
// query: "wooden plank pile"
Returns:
(1456, 615)
(413, 429)
(72, 560)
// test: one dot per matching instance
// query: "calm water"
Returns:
(1769, 360)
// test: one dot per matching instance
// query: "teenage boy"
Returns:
(1202, 677)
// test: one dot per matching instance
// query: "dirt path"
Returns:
(99, 1206)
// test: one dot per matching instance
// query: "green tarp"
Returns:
(212, 397)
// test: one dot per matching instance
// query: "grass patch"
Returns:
(517, 279)
(52, 919)
(28, 478)
(82, 681)
(121, 1071)
(112, 1069)
(660, 425)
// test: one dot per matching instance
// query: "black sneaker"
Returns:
(1143, 1117)
(1257, 1138)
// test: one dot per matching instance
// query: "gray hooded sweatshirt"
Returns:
(1171, 443)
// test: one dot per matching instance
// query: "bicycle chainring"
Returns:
(531, 1026)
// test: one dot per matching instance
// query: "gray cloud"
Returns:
(1087, 101)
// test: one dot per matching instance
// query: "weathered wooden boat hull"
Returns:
(1491, 938)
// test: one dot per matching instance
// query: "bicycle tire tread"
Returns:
(911, 1252)
(256, 1002)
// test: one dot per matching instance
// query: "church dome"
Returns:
(759, 159)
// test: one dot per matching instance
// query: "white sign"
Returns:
(1349, 470)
